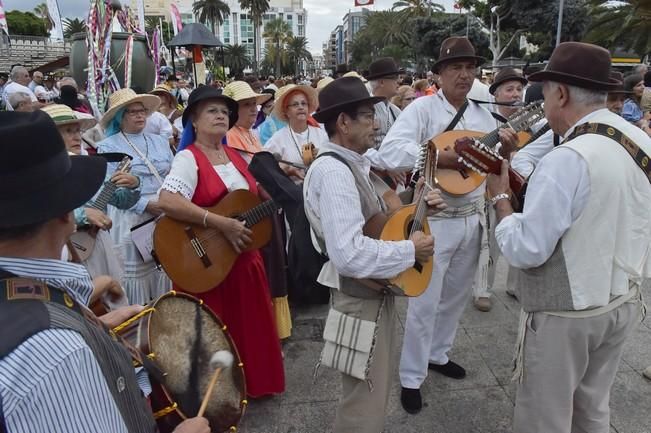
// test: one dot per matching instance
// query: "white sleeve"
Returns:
(275, 143)
(183, 176)
(526, 159)
(557, 194)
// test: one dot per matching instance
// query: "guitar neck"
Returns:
(104, 197)
(258, 213)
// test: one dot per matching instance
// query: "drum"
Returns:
(181, 334)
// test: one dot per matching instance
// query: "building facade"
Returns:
(338, 48)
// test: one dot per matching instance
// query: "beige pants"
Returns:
(360, 409)
(569, 368)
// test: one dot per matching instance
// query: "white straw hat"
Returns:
(323, 82)
(64, 115)
(280, 107)
(240, 90)
(124, 97)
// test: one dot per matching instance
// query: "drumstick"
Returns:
(220, 359)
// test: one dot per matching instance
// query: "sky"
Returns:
(323, 15)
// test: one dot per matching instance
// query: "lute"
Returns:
(198, 258)
(83, 240)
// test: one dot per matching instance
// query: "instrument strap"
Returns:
(639, 156)
(457, 117)
(150, 166)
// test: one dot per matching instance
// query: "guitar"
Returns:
(83, 240)
(197, 258)
(463, 181)
(400, 225)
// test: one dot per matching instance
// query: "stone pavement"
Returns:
(481, 403)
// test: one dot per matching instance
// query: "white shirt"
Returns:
(288, 143)
(422, 120)
(527, 158)
(558, 192)
(184, 175)
(480, 92)
(14, 87)
(158, 124)
(331, 195)
(386, 114)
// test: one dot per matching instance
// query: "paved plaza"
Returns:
(481, 403)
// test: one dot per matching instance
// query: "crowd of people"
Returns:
(577, 244)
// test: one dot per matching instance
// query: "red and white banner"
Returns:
(363, 2)
(3, 20)
(176, 19)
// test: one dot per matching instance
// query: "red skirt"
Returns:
(242, 301)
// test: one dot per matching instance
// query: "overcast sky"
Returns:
(323, 15)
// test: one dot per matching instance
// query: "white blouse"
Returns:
(288, 144)
(184, 175)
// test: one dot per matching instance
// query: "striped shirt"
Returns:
(52, 382)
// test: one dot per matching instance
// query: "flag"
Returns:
(55, 19)
(363, 2)
(176, 19)
(3, 20)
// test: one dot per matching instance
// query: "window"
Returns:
(301, 30)
(289, 17)
(300, 19)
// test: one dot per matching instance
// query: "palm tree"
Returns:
(211, 11)
(625, 24)
(236, 58)
(72, 26)
(277, 31)
(256, 8)
(417, 8)
(43, 13)
(297, 51)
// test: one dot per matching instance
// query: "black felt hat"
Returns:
(203, 93)
(340, 95)
(384, 67)
(38, 179)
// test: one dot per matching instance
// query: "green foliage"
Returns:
(417, 8)
(43, 13)
(236, 58)
(429, 33)
(297, 51)
(25, 23)
(72, 26)
(256, 8)
(167, 31)
(626, 25)
(211, 11)
(277, 33)
(384, 32)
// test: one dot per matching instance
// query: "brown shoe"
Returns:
(483, 304)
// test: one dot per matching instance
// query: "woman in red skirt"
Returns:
(203, 172)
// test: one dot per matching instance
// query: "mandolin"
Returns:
(83, 240)
(308, 153)
(198, 258)
(464, 181)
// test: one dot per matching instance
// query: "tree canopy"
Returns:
(25, 23)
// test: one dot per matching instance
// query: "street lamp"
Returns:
(560, 22)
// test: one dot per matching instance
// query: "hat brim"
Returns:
(312, 101)
(322, 116)
(75, 189)
(497, 84)
(151, 103)
(83, 123)
(575, 80)
(383, 74)
(230, 103)
(436, 67)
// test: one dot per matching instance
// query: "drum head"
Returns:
(184, 334)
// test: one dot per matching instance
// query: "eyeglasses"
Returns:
(137, 112)
(298, 104)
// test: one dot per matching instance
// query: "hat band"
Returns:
(64, 118)
(35, 177)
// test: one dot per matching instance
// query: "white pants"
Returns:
(433, 317)
(485, 275)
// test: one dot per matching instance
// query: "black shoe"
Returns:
(451, 369)
(411, 400)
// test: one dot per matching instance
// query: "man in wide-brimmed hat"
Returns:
(383, 80)
(340, 196)
(433, 317)
(55, 358)
(582, 246)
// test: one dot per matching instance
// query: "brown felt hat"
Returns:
(579, 64)
(621, 90)
(505, 75)
(340, 95)
(384, 67)
(456, 48)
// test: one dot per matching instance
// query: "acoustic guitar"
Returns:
(197, 258)
(400, 225)
(83, 240)
(464, 181)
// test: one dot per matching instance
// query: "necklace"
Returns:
(219, 154)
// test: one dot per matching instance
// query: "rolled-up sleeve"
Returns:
(557, 194)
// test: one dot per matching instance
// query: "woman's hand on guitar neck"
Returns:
(125, 180)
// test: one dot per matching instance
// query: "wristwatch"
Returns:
(498, 197)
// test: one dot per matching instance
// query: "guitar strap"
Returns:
(457, 117)
(639, 156)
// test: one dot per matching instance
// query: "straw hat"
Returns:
(124, 97)
(64, 115)
(241, 90)
(323, 82)
(356, 75)
(280, 107)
